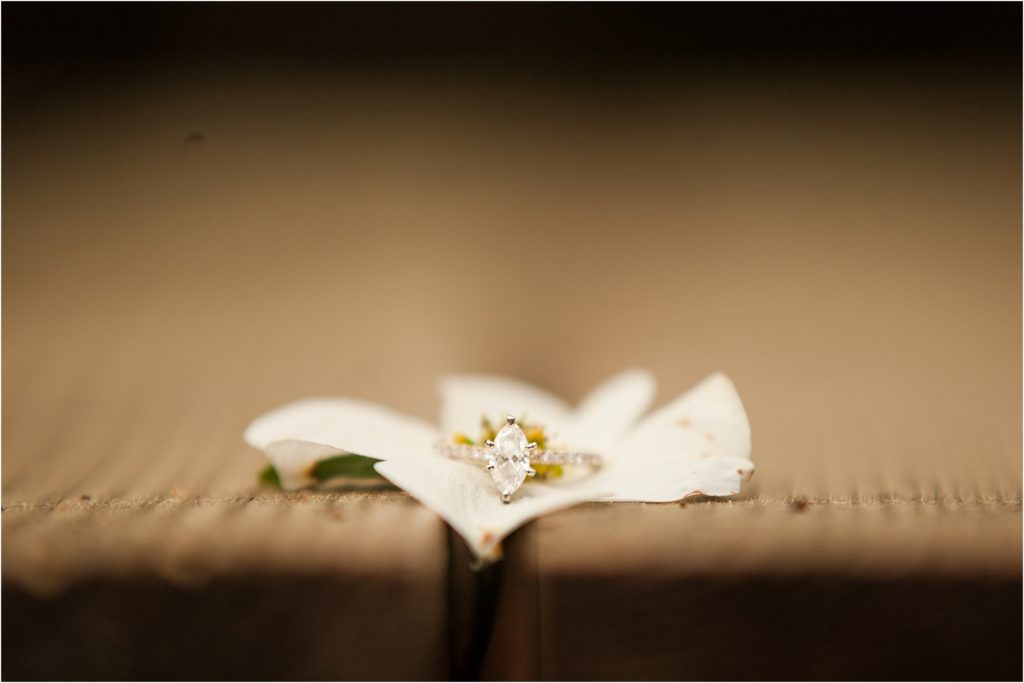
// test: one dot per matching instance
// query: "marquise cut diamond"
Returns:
(510, 459)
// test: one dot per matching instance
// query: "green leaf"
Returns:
(351, 466)
(268, 477)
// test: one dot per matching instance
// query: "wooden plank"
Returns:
(763, 590)
(312, 587)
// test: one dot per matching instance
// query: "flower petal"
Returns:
(464, 496)
(294, 461)
(665, 479)
(465, 399)
(699, 443)
(708, 419)
(348, 425)
(609, 411)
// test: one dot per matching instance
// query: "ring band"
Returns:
(460, 451)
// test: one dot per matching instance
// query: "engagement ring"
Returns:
(509, 456)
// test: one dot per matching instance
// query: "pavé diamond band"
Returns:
(483, 454)
(509, 456)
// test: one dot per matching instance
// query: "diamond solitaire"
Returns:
(509, 463)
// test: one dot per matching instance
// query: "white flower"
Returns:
(698, 444)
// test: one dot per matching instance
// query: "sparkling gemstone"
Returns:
(511, 459)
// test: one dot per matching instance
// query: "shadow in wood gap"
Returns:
(472, 608)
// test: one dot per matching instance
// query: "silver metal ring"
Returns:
(509, 457)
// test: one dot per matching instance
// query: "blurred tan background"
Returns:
(849, 253)
(188, 242)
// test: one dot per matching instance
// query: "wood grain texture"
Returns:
(758, 589)
(311, 587)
